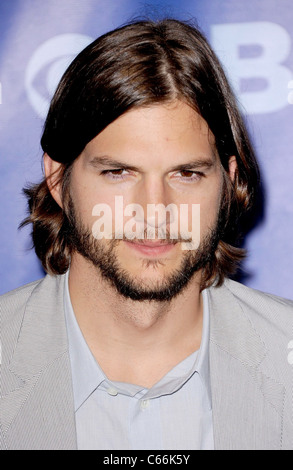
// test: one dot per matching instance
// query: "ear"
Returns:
(232, 167)
(52, 169)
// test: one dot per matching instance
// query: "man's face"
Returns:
(163, 154)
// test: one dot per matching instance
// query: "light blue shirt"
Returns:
(174, 414)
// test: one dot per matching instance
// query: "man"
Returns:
(136, 338)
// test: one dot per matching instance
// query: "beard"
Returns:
(104, 258)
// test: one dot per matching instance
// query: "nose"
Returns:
(158, 211)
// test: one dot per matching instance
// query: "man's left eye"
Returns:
(190, 175)
(187, 173)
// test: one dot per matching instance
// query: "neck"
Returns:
(135, 342)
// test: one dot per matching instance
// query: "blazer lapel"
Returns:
(40, 367)
(247, 404)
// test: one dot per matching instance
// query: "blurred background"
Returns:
(254, 41)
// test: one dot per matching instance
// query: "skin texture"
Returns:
(138, 334)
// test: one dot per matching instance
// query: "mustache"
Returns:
(156, 235)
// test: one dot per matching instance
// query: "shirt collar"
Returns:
(87, 375)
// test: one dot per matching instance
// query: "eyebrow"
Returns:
(200, 163)
(110, 162)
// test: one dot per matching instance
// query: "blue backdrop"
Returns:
(254, 40)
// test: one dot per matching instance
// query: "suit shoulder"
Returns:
(262, 307)
(248, 294)
(270, 316)
(22, 291)
(15, 300)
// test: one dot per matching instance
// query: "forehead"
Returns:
(164, 132)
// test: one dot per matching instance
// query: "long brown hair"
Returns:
(141, 64)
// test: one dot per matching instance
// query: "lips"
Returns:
(152, 243)
(151, 248)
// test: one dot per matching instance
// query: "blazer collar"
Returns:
(231, 328)
(247, 403)
(41, 360)
(43, 335)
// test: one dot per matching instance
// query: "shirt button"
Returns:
(112, 391)
(144, 404)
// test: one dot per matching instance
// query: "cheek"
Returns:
(209, 208)
(88, 200)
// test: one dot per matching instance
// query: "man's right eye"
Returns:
(118, 173)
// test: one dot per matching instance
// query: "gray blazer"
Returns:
(251, 374)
